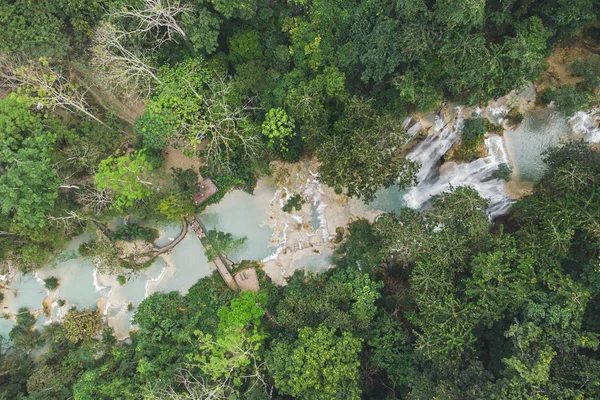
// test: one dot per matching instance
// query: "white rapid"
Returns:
(477, 174)
(587, 123)
(429, 152)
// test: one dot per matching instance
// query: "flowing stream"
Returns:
(433, 180)
(300, 239)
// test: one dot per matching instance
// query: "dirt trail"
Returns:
(557, 71)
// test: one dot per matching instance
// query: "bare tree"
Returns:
(119, 66)
(199, 388)
(94, 200)
(156, 17)
(196, 388)
(47, 85)
(225, 126)
(68, 222)
(8, 64)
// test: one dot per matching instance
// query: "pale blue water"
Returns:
(76, 282)
(191, 265)
(389, 200)
(316, 263)
(76, 277)
(156, 268)
(242, 214)
(166, 233)
(134, 290)
(539, 131)
(6, 326)
(315, 222)
(26, 291)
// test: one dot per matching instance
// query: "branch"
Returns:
(157, 18)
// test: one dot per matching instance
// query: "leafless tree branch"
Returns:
(45, 83)
(157, 18)
(119, 66)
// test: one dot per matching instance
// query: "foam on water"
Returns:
(281, 247)
(429, 152)
(497, 114)
(477, 174)
(587, 123)
(413, 130)
(312, 191)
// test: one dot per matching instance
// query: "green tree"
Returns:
(391, 350)
(126, 178)
(279, 129)
(473, 131)
(344, 300)
(243, 9)
(362, 248)
(454, 14)
(569, 99)
(162, 319)
(154, 129)
(317, 365)
(221, 244)
(359, 155)
(105, 255)
(32, 30)
(24, 335)
(81, 325)
(232, 355)
(245, 46)
(29, 187)
(202, 107)
(202, 27)
(51, 283)
(28, 182)
(174, 208)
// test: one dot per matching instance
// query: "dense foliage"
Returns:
(433, 304)
(132, 231)
(121, 107)
(238, 85)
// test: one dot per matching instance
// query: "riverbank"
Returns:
(302, 239)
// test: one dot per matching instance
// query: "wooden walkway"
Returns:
(175, 242)
(225, 274)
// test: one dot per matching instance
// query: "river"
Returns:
(302, 239)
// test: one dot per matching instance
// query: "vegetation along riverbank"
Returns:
(312, 200)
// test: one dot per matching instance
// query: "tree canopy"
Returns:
(120, 108)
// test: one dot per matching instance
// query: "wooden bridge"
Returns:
(179, 238)
(193, 223)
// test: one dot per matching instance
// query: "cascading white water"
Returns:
(477, 174)
(497, 114)
(413, 130)
(429, 151)
(586, 123)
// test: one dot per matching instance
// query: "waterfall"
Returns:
(429, 152)
(413, 130)
(497, 114)
(477, 174)
(583, 123)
